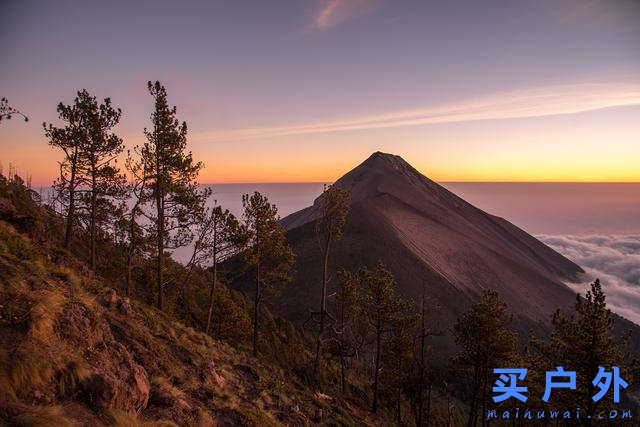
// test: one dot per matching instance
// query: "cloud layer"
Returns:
(532, 102)
(614, 259)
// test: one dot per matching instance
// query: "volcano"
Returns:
(429, 237)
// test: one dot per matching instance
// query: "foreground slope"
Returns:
(73, 352)
(429, 237)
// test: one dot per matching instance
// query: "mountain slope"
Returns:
(74, 353)
(428, 236)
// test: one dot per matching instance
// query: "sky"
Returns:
(302, 91)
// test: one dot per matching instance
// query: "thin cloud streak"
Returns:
(537, 102)
(330, 13)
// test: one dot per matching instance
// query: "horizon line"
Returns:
(436, 181)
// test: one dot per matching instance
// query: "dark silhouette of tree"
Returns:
(582, 341)
(347, 337)
(268, 251)
(136, 239)
(421, 375)
(69, 140)
(399, 350)
(171, 174)
(486, 342)
(334, 205)
(218, 237)
(379, 306)
(99, 150)
(7, 111)
(89, 178)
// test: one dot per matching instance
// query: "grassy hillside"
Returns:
(74, 352)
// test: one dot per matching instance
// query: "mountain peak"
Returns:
(427, 235)
(384, 173)
(379, 158)
(380, 174)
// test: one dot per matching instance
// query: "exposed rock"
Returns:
(117, 382)
(209, 371)
(111, 299)
(80, 326)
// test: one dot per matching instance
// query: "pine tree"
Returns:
(329, 227)
(268, 251)
(136, 239)
(379, 306)
(219, 236)
(486, 342)
(347, 338)
(399, 350)
(171, 175)
(421, 376)
(582, 341)
(99, 150)
(89, 178)
(69, 140)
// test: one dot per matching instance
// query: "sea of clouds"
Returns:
(614, 259)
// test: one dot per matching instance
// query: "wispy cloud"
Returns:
(329, 13)
(534, 102)
(614, 259)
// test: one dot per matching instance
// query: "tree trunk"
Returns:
(213, 286)
(92, 224)
(72, 201)
(429, 405)
(256, 311)
(132, 243)
(342, 350)
(160, 231)
(342, 376)
(128, 278)
(471, 422)
(398, 395)
(323, 310)
(421, 383)
(130, 252)
(377, 364)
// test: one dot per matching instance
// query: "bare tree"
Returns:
(329, 227)
(219, 236)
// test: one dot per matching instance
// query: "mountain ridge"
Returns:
(425, 233)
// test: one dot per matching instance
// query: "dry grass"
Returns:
(43, 416)
(161, 383)
(119, 418)
(44, 314)
(71, 377)
(65, 274)
(15, 244)
(6, 389)
(204, 419)
(22, 370)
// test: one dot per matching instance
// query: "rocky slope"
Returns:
(73, 352)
